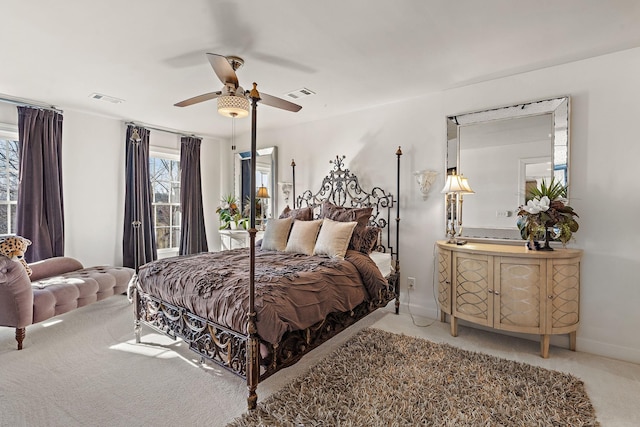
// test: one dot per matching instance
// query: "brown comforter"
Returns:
(292, 291)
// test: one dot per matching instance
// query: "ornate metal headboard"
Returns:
(342, 188)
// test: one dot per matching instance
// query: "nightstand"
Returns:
(234, 239)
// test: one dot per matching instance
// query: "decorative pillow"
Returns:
(302, 214)
(366, 241)
(276, 234)
(334, 238)
(14, 247)
(303, 236)
(344, 214)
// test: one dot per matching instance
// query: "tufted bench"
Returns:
(56, 286)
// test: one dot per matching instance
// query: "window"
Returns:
(164, 173)
(9, 162)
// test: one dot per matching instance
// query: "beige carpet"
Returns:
(84, 369)
(379, 378)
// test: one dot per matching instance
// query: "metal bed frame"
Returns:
(240, 353)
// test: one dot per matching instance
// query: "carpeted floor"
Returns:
(83, 368)
(378, 378)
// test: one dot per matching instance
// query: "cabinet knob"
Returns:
(550, 297)
(496, 293)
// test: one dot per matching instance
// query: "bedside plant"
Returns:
(546, 215)
(229, 213)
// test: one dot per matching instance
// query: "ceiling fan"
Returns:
(234, 95)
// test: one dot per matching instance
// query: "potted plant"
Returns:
(228, 212)
(546, 215)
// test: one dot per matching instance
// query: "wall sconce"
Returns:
(286, 188)
(454, 188)
(425, 179)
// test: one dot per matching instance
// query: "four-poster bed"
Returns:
(289, 303)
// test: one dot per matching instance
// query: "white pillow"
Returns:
(303, 236)
(334, 238)
(276, 234)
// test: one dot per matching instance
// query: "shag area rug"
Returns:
(379, 378)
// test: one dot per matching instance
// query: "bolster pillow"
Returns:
(53, 266)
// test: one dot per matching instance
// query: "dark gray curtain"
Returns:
(40, 213)
(193, 238)
(245, 188)
(147, 242)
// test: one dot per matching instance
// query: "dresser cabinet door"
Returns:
(519, 294)
(563, 299)
(473, 288)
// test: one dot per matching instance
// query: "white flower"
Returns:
(535, 206)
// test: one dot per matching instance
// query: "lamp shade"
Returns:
(457, 184)
(233, 106)
(262, 193)
(453, 184)
(465, 186)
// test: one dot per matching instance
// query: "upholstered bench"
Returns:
(56, 286)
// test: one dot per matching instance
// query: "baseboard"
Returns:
(612, 351)
(584, 345)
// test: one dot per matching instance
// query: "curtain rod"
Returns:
(29, 104)
(175, 132)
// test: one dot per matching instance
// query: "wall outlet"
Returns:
(411, 282)
(504, 214)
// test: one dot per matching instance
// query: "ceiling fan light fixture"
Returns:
(233, 106)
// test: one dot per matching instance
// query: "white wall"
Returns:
(93, 152)
(604, 188)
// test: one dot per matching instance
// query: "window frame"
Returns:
(171, 155)
(9, 132)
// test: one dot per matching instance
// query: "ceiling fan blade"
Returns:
(274, 101)
(198, 99)
(223, 69)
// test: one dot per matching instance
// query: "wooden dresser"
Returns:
(511, 288)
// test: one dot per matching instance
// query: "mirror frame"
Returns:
(273, 196)
(560, 110)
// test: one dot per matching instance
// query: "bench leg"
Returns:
(20, 334)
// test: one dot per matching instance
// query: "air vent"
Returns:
(300, 93)
(106, 98)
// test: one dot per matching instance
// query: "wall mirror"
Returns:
(502, 152)
(266, 174)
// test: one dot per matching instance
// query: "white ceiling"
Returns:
(354, 54)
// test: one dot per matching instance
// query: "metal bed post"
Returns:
(397, 264)
(136, 223)
(253, 368)
(293, 173)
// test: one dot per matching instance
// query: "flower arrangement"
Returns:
(229, 213)
(547, 215)
(247, 208)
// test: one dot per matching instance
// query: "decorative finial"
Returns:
(254, 92)
(338, 162)
(135, 136)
